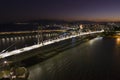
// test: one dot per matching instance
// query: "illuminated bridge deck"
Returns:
(25, 49)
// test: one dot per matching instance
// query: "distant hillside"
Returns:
(33, 25)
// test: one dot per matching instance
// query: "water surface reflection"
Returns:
(97, 59)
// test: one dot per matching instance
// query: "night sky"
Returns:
(94, 10)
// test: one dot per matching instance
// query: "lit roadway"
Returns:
(19, 51)
(22, 32)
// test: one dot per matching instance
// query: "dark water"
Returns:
(12, 42)
(16, 43)
(97, 59)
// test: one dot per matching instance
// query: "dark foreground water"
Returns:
(97, 59)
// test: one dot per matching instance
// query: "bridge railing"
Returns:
(19, 51)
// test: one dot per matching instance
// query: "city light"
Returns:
(118, 41)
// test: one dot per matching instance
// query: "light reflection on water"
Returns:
(118, 41)
(95, 39)
(20, 42)
(84, 62)
(97, 59)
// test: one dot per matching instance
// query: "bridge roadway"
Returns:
(25, 49)
(24, 32)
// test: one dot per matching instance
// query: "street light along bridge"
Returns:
(25, 49)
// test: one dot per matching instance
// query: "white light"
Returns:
(18, 51)
(5, 62)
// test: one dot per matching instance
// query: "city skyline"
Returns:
(68, 10)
